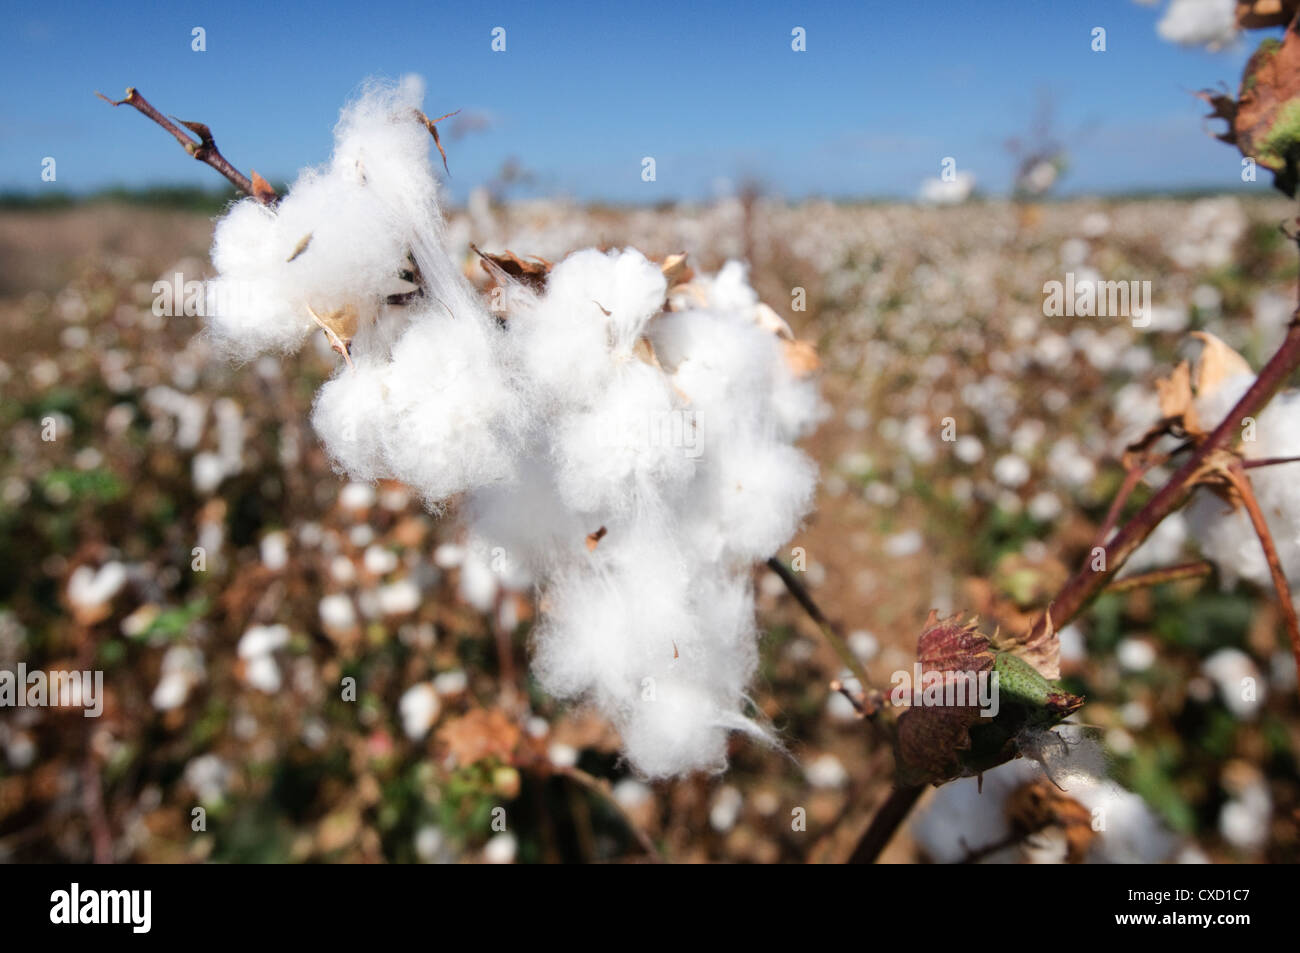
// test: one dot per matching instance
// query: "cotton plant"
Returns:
(618, 433)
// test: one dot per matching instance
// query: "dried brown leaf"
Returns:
(262, 190)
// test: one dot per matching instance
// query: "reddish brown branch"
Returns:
(1156, 577)
(1132, 477)
(1268, 462)
(204, 148)
(1241, 482)
(829, 630)
(885, 823)
(1087, 583)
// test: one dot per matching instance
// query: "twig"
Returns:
(205, 149)
(601, 789)
(1132, 477)
(1268, 462)
(864, 706)
(1156, 577)
(1087, 583)
(805, 599)
(886, 821)
(1242, 484)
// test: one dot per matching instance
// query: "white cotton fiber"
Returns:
(1209, 23)
(627, 450)
(630, 456)
(753, 497)
(587, 324)
(1226, 535)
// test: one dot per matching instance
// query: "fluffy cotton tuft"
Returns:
(1208, 23)
(627, 450)
(1225, 535)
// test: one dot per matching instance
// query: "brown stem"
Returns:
(1247, 492)
(886, 822)
(805, 599)
(1156, 577)
(205, 149)
(1132, 477)
(601, 789)
(1087, 583)
(1268, 462)
(92, 802)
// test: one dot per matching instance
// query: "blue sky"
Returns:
(584, 91)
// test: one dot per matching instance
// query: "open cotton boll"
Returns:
(626, 284)
(595, 307)
(664, 650)
(527, 518)
(633, 447)
(753, 498)
(676, 730)
(729, 290)
(616, 619)
(450, 420)
(635, 485)
(721, 362)
(247, 309)
(348, 415)
(353, 248)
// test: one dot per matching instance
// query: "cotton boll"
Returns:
(89, 589)
(347, 416)
(479, 583)
(528, 520)
(1239, 681)
(796, 402)
(1209, 23)
(633, 484)
(752, 500)
(618, 620)
(1134, 833)
(675, 731)
(448, 420)
(969, 813)
(721, 362)
(343, 244)
(247, 309)
(1227, 538)
(1211, 408)
(635, 446)
(627, 285)
(419, 707)
(663, 651)
(729, 290)
(255, 648)
(182, 669)
(594, 310)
